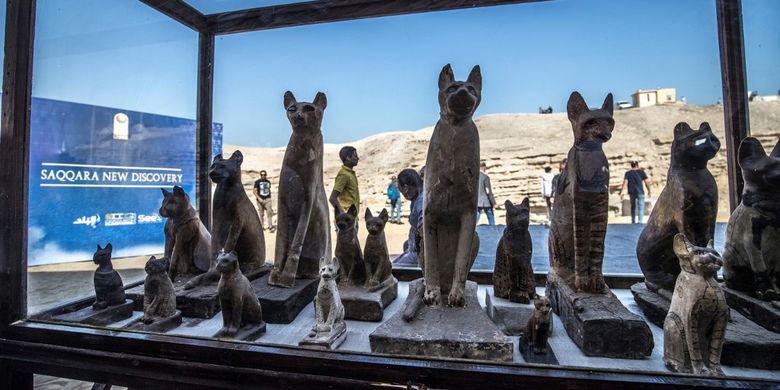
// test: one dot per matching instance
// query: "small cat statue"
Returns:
(109, 290)
(240, 306)
(159, 296)
(353, 269)
(327, 304)
(513, 277)
(695, 325)
(378, 266)
(540, 325)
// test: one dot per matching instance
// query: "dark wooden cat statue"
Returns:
(752, 252)
(159, 296)
(688, 204)
(378, 266)
(579, 218)
(450, 190)
(109, 290)
(353, 269)
(187, 241)
(303, 235)
(540, 326)
(240, 306)
(236, 226)
(695, 326)
(513, 277)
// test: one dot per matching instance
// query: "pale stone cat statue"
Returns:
(695, 326)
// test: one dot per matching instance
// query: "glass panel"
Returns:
(380, 78)
(112, 121)
(762, 53)
(216, 6)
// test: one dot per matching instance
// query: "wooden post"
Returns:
(14, 158)
(735, 101)
(204, 126)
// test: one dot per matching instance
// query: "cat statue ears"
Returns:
(108, 247)
(320, 100)
(683, 248)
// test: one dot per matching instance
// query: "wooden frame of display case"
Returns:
(156, 360)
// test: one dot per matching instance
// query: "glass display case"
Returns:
(178, 207)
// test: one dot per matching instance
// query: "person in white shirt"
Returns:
(547, 189)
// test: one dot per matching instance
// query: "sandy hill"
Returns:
(516, 148)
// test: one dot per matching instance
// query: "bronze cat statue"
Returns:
(695, 325)
(513, 277)
(240, 306)
(109, 290)
(688, 204)
(540, 326)
(379, 270)
(579, 218)
(752, 253)
(236, 226)
(159, 296)
(303, 235)
(187, 241)
(450, 191)
(353, 268)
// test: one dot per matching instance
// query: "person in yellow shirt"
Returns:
(345, 191)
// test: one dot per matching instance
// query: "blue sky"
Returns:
(380, 74)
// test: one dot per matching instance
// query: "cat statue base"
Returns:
(451, 332)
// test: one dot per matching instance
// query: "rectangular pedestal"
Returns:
(362, 305)
(598, 323)
(452, 332)
(282, 305)
(509, 316)
(746, 345)
(101, 317)
(245, 333)
(328, 342)
(527, 351)
(160, 326)
(199, 302)
(761, 312)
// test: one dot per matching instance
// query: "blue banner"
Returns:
(95, 177)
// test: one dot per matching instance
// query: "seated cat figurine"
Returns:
(379, 270)
(752, 253)
(327, 304)
(240, 306)
(513, 277)
(159, 298)
(540, 326)
(187, 241)
(109, 290)
(353, 269)
(695, 326)
(688, 204)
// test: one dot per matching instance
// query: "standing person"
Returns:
(486, 201)
(636, 181)
(395, 201)
(557, 178)
(262, 191)
(410, 184)
(547, 189)
(345, 190)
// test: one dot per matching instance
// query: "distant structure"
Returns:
(651, 97)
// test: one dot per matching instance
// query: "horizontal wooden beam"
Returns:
(313, 12)
(136, 359)
(181, 12)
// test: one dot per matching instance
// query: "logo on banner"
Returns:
(91, 221)
(120, 219)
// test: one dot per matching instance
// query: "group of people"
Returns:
(408, 185)
(634, 184)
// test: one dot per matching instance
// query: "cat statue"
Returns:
(513, 277)
(159, 296)
(379, 269)
(540, 325)
(353, 269)
(109, 290)
(330, 330)
(240, 306)
(695, 325)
